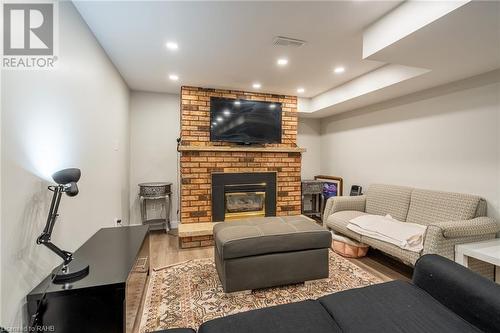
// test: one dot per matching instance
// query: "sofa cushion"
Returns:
(338, 221)
(301, 317)
(395, 306)
(388, 199)
(266, 235)
(434, 206)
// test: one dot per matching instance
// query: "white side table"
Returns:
(488, 251)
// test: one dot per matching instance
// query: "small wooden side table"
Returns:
(487, 251)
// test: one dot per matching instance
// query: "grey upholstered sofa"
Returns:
(451, 218)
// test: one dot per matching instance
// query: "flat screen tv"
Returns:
(244, 122)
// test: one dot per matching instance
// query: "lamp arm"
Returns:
(44, 238)
(65, 255)
(54, 207)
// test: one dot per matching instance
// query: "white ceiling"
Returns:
(463, 42)
(230, 44)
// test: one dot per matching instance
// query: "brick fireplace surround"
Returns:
(200, 157)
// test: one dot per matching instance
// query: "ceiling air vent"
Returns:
(289, 42)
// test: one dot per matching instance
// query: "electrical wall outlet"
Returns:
(118, 222)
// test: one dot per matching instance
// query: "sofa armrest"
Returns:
(469, 295)
(475, 227)
(442, 237)
(337, 204)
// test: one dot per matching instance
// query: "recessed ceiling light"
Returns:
(237, 103)
(173, 77)
(272, 106)
(282, 61)
(172, 46)
(300, 90)
(226, 112)
(214, 123)
(339, 70)
(219, 119)
(256, 85)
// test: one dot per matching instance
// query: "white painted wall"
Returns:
(154, 129)
(446, 138)
(75, 116)
(308, 136)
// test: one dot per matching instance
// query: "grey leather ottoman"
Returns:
(264, 252)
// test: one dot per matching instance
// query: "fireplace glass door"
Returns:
(244, 204)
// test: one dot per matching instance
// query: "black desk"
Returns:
(97, 302)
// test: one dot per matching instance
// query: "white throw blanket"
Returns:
(408, 236)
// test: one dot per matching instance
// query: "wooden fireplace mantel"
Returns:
(244, 149)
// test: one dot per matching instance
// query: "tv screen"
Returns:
(243, 121)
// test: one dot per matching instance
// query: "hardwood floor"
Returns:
(383, 266)
(164, 251)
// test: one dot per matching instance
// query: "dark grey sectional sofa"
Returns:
(442, 297)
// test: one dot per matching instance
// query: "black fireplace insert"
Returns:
(254, 183)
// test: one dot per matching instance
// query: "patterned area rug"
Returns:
(190, 293)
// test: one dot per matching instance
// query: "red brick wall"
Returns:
(197, 167)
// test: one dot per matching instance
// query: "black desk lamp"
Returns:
(71, 270)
